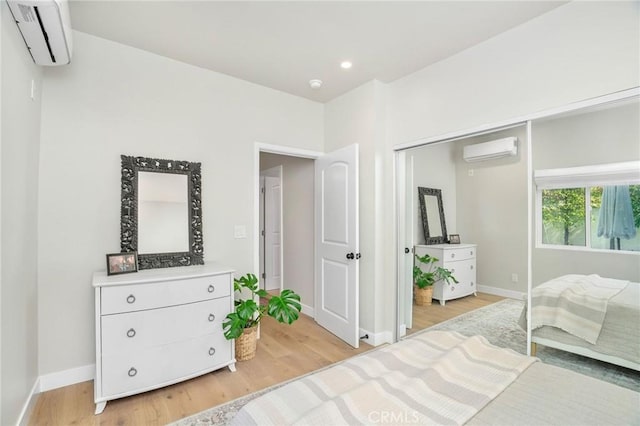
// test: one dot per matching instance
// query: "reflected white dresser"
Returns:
(460, 259)
(158, 327)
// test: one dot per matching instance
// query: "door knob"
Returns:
(350, 256)
(406, 250)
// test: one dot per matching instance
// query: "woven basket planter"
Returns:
(423, 296)
(246, 344)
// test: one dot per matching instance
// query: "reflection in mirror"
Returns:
(433, 216)
(433, 221)
(163, 213)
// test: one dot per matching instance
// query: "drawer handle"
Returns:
(131, 298)
(212, 351)
(471, 252)
(453, 255)
(471, 266)
(211, 288)
(211, 317)
(452, 288)
(453, 270)
(132, 372)
(131, 332)
(471, 283)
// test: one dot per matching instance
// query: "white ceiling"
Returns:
(283, 45)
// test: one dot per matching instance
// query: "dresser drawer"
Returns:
(463, 271)
(130, 298)
(161, 365)
(454, 255)
(133, 331)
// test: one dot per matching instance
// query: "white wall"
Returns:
(20, 117)
(298, 222)
(577, 51)
(433, 167)
(115, 100)
(359, 117)
(492, 211)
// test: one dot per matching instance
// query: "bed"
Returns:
(443, 377)
(618, 339)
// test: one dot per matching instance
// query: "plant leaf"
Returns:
(286, 307)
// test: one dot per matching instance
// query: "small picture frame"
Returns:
(122, 263)
(454, 239)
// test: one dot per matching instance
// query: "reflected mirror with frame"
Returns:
(161, 212)
(433, 221)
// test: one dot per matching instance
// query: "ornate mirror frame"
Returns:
(129, 211)
(425, 222)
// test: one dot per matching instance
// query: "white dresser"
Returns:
(158, 327)
(460, 259)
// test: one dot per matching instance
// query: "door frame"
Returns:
(259, 147)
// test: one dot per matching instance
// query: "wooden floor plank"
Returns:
(284, 352)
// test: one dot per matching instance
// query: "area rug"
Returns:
(497, 322)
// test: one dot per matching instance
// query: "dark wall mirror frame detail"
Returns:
(129, 211)
(429, 237)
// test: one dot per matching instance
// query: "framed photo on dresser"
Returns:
(454, 239)
(122, 263)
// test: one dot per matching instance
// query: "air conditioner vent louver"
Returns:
(27, 13)
(45, 28)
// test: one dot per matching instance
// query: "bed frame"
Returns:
(582, 351)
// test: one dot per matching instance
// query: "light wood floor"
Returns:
(284, 352)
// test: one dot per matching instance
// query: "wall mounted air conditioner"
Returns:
(46, 29)
(491, 150)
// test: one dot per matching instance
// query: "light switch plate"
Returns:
(240, 231)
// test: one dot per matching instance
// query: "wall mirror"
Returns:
(161, 214)
(433, 222)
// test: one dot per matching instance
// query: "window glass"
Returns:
(615, 217)
(563, 217)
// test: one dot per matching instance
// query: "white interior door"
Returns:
(272, 233)
(336, 244)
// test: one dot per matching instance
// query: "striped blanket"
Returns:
(437, 377)
(574, 303)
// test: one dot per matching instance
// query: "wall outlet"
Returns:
(514, 278)
(470, 172)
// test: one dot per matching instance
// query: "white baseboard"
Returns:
(29, 404)
(376, 339)
(308, 310)
(511, 294)
(67, 377)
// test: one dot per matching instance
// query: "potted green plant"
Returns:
(242, 323)
(425, 275)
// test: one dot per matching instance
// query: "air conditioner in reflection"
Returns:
(46, 29)
(490, 150)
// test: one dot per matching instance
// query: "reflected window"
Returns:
(610, 220)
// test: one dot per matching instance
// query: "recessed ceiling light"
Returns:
(346, 65)
(315, 83)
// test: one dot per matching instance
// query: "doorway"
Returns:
(318, 194)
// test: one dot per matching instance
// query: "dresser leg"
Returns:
(232, 367)
(442, 302)
(100, 407)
